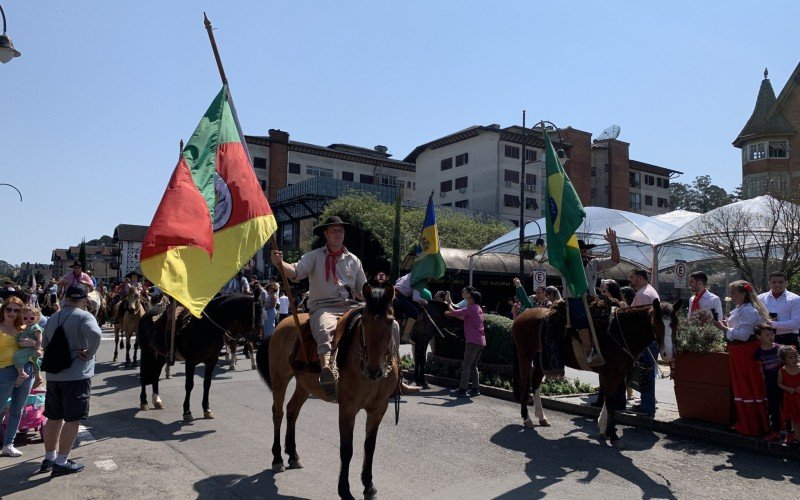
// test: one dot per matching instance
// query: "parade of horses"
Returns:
(343, 297)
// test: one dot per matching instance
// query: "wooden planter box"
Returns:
(703, 387)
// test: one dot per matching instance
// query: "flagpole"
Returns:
(214, 48)
(173, 315)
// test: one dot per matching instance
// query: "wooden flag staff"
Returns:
(173, 314)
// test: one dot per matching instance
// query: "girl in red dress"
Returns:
(789, 381)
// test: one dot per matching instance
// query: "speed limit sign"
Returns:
(681, 277)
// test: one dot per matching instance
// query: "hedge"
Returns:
(499, 346)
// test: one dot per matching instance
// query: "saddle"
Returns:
(307, 360)
(554, 332)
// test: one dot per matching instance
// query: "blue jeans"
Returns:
(269, 322)
(577, 313)
(647, 385)
(18, 395)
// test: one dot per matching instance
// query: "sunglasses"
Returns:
(12, 311)
(28, 318)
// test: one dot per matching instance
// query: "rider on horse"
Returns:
(76, 276)
(407, 302)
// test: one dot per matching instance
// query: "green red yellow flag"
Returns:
(213, 216)
(429, 262)
(564, 215)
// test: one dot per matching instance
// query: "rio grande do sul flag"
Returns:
(564, 215)
(213, 217)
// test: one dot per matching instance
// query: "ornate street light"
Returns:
(7, 50)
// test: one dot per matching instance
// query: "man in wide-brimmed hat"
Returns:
(76, 276)
(335, 278)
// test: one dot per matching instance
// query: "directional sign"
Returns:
(539, 278)
(681, 278)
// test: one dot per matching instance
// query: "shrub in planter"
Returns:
(499, 346)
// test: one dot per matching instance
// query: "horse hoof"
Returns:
(168, 375)
(143, 407)
(187, 417)
(278, 467)
(528, 423)
(208, 414)
(617, 443)
(295, 464)
(121, 345)
(544, 422)
(370, 493)
(127, 364)
(158, 405)
(114, 360)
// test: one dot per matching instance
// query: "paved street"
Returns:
(443, 448)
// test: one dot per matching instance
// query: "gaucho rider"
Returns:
(577, 312)
(335, 279)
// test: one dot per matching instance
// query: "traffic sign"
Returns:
(539, 278)
(681, 277)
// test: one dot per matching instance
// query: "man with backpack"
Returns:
(71, 338)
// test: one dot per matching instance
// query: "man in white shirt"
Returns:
(703, 298)
(783, 307)
(283, 305)
(406, 300)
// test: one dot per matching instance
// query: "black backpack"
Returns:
(57, 356)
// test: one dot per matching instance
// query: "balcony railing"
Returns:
(333, 188)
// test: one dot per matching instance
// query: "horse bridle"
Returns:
(386, 366)
(227, 332)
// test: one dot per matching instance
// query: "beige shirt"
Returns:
(349, 272)
(591, 269)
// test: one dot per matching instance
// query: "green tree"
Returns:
(82, 254)
(701, 196)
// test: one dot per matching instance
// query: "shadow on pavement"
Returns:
(21, 477)
(261, 485)
(448, 401)
(757, 467)
(125, 424)
(552, 460)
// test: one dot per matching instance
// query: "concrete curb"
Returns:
(689, 428)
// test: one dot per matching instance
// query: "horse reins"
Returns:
(386, 366)
(227, 332)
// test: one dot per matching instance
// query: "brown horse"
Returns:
(368, 375)
(433, 323)
(630, 331)
(129, 311)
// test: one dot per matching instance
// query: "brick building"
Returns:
(769, 139)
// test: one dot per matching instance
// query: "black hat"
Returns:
(582, 244)
(77, 291)
(333, 220)
(76, 263)
(134, 272)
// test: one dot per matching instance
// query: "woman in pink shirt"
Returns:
(472, 315)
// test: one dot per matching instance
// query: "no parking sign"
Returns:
(681, 278)
(539, 278)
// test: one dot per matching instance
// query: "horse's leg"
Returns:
(292, 412)
(157, 403)
(538, 376)
(251, 348)
(420, 349)
(231, 344)
(609, 383)
(524, 382)
(278, 394)
(143, 396)
(347, 418)
(207, 375)
(116, 341)
(135, 347)
(374, 418)
(127, 348)
(187, 412)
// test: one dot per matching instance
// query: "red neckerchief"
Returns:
(330, 264)
(696, 302)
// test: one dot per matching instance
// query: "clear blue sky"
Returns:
(93, 110)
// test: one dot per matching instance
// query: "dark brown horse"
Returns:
(630, 330)
(432, 324)
(225, 319)
(368, 375)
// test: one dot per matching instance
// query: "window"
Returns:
(461, 182)
(648, 200)
(778, 149)
(347, 176)
(447, 204)
(649, 180)
(594, 193)
(634, 179)
(530, 155)
(288, 233)
(531, 204)
(530, 180)
(462, 204)
(512, 152)
(447, 164)
(259, 162)
(663, 203)
(594, 171)
(662, 182)
(757, 151)
(319, 171)
(386, 180)
(445, 186)
(462, 159)
(366, 179)
(636, 201)
(294, 168)
(263, 184)
(512, 176)
(511, 200)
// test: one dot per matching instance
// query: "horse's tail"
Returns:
(515, 385)
(262, 361)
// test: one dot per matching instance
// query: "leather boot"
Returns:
(406, 338)
(593, 358)
(328, 376)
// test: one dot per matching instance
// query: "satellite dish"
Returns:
(611, 132)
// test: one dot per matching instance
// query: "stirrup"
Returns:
(327, 380)
(595, 360)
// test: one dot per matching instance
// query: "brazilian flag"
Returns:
(564, 216)
(429, 262)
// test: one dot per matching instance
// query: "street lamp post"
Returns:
(7, 50)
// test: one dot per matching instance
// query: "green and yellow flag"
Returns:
(564, 215)
(429, 263)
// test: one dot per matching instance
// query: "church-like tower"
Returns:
(769, 142)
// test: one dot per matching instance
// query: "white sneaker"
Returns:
(10, 451)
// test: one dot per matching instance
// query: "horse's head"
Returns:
(377, 323)
(132, 300)
(665, 325)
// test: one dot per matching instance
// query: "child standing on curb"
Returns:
(767, 355)
(472, 315)
(789, 381)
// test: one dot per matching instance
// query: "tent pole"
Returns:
(654, 279)
(470, 269)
